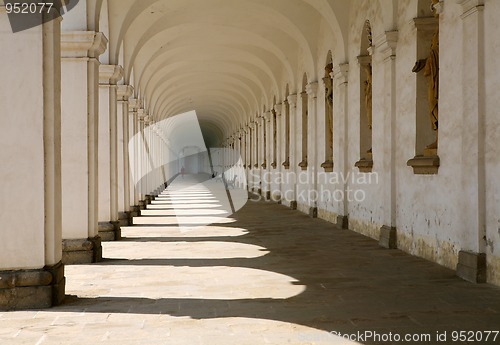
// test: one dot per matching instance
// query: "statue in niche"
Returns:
(430, 66)
(328, 85)
(368, 94)
(368, 84)
(329, 100)
(369, 33)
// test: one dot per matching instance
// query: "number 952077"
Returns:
(28, 8)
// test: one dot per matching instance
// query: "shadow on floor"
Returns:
(350, 283)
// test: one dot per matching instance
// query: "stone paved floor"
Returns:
(265, 275)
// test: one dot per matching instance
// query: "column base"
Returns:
(343, 222)
(135, 211)
(148, 198)
(388, 237)
(313, 212)
(82, 251)
(107, 231)
(142, 204)
(118, 230)
(123, 218)
(472, 266)
(32, 289)
(293, 205)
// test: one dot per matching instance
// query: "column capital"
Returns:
(312, 89)
(468, 6)
(141, 114)
(428, 24)
(364, 60)
(133, 104)
(278, 108)
(124, 92)
(267, 115)
(110, 74)
(82, 44)
(292, 100)
(386, 44)
(341, 73)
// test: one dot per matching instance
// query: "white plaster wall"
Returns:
(121, 171)
(428, 207)
(365, 191)
(74, 149)
(104, 158)
(22, 154)
(492, 139)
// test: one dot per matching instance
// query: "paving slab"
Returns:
(264, 275)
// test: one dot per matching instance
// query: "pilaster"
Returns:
(80, 108)
(340, 77)
(312, 93)
(123, 94)
(386, 46)
(472, 257)
(31, 273)
(108, 225)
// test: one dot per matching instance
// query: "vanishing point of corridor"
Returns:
(265, 275)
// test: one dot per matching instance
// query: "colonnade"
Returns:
(81, 156)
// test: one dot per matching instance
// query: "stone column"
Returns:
(266, 185)
(31, 272)
(312, 93)
(327, 86)
(133, 157)
(263, 124)
(109, 229)
(123, 94)
(257, 173)
(261, 153)
(141, 180)
(341, 138)
(80, 104)
(293, 159)
(244, 152)
(148, 158)
(278, 109)
(386, 45)
(251, 143)
(472, 256)
(248, 143)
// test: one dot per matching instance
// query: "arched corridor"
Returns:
(268, 167)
